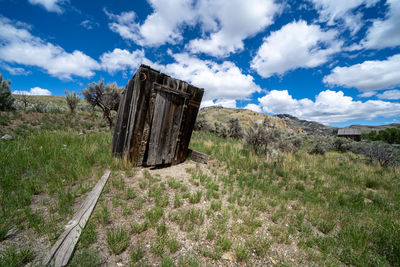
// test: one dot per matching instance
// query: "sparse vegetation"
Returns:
(117, 240)
(284, 207)
(104, 96)
(72, 100)
(235, 130)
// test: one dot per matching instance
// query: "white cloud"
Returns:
(225, 24)
(295, 45)
(342, 11)
(49, 5)
(14, 70)
(220, 81)
(386, 32)
(121, 60)
(88, 24)
(226, 103)
(391, 95)
(19, 46)
(329, 106)
(368, 76)
(367, 94)
(164, 25)
(33, 91)
(229, 23)
(253, 107)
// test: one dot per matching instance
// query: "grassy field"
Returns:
(300, 209)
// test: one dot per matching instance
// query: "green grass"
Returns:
(136, 253)
(352, 204)
(85, 257)
(117, 240)
(50, 163)
(11, 256)
(195, 197)
(137, 228)
(154, 215)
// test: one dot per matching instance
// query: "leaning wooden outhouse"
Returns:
(155, 120)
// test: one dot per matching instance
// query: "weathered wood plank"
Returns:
(119, 135)
(61, 251)
(198, 156)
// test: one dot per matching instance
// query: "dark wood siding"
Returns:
(155, 119)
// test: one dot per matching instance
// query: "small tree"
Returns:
(6, 99)
(260, 136)
(235, 130)
(72, 100)
(104, 96)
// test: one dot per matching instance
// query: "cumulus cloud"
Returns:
(19, 46)
(368, 76)
(329, 106)
(295, 45)
(49, 5)
(253, 107)
(385, 32)
(225, 24)
(33, 91)
(342, 11)
(391, 95)
(229, 23)
(220, 81)
(226, 103)
(121, 60)
(164, 25)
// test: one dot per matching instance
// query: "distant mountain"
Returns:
(285, 121)
(309, 127)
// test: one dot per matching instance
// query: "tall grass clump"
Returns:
(50, 162)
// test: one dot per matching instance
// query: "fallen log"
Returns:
(198, 156)
(61, 251)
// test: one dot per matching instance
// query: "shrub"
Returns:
(378, 151)
(40, 107)
(220, 129)
(390, 135)
(6, 99)
(260, 136)
(202, 125)
(382, 153)
(235, 130)
(24, 100)
(340, 144)
(104, 96)
(318, 149)
(72, 100)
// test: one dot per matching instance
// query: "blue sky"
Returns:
(336, 62)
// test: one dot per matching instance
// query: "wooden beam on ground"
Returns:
(198, 156)
(61, 251)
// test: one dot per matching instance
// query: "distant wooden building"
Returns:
(351, 133)
(155, 120)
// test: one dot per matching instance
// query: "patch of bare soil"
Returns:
(251, 237)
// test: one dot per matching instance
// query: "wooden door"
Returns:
(169, 105)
